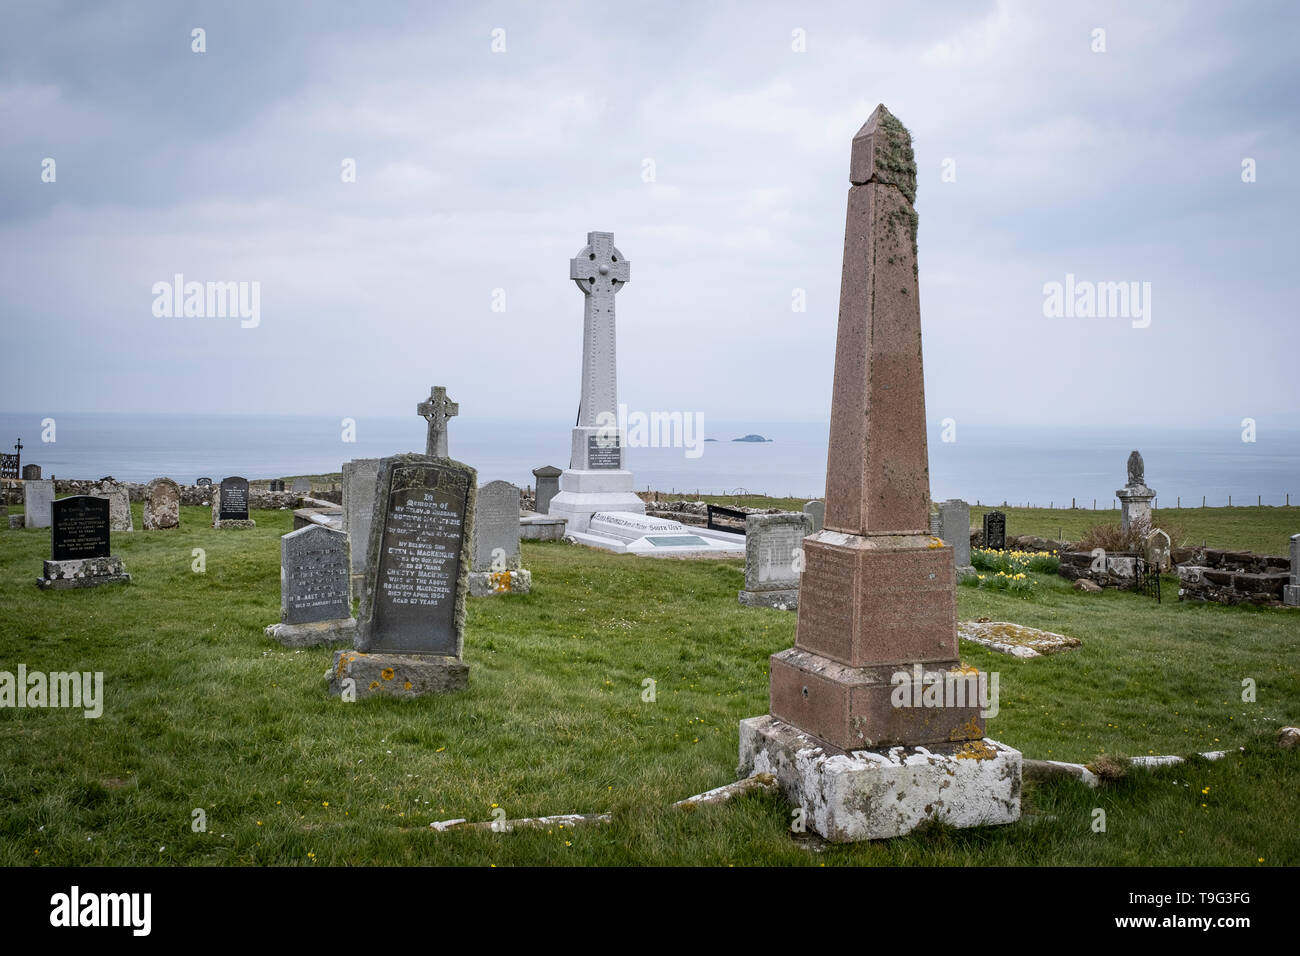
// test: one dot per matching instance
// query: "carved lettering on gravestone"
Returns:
(419, 560)
(776, 549)
(995, 531)
(204, 482)
(603, 452)
(496, 528)
(315, 572)
(79, 528)
(234, 499)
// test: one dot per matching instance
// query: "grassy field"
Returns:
(204, 712)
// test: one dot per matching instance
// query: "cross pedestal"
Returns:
(597, 478)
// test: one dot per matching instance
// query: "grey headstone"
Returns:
(1295, 559)
(234, 499)
(438, 410)
(548, 486)
(995, 531)
(772, 546)
(301, 486)
(496, 528)
(314, 576)
(119, 503)
(414, 589)
(37, 498)
(204, 482)
(954, 529)
(162, 504)
(359, 477)
(816, 510)
(31, 472)
(934, 524)
(79, 528)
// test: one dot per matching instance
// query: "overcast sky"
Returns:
(481, 170)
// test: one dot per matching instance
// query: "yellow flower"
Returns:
(386, 673)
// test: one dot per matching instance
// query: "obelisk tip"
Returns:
(882, 153)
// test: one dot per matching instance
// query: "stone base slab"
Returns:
(314, 633)
(225, 523)
(785, 599)
(396, 675)
(82, 573)
(489, 583)
(850, 708)
(535, 527)
(882, 793)
(1291, 595)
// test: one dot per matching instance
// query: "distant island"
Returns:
(710, 439)
(752, 438)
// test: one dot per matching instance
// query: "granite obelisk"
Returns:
(876, 640)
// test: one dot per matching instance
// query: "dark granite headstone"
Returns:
(204, 482)
(413, 592)
(79, 528)
(234, 499)
(31, 472)
(995, 531)
(603, 452)
(314, 571)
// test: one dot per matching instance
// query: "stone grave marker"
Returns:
(995, 531)
(497, 565)
(204, 483)
(31, 472)
(1291, 590)
(302, 486)
(230, 504)
(119, 503)
(774, 559)
(37, 498)
(816, 510)
(315, 589)
(1157, 550)
(1135, 497)
(162, 505)
(410, 626)
(359, 477)
(548, 486)
(954, 531)
(854, 737)
(80, 556)
(437, 410)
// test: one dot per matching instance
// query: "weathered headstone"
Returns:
(548, 486)
(410, 627)
(497, 564)
(315, 589)
(1156, 550)
(301, 486)
(816, 511)
(1135, 497)
(204, 482)
(230, 504)
(995, 531)
(359, 477)
(774, 559)
(80, 556)
(856, 736)
(119, 503)
(31, 472)
(37, 497)
(597, 478)
(162, 504)
(954, 531)
(1291, 592)
(437, 410)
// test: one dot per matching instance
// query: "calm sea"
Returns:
(1038, 466)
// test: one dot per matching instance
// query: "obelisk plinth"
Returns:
(877, 627)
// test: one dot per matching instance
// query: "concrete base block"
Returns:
(786, 599)
(315, 633)
(228, 523)
(535, 527)
(489, 583)
(82, 573)
(1291, 595)
(395, 675)
(877, 794)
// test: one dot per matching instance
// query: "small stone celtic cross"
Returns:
(437, 411)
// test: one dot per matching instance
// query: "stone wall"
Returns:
(1233, 577)
(190, 494)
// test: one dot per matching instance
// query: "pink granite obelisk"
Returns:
(877, 625)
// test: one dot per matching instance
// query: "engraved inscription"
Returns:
(826, 599)
(603, 452)
(79, 528)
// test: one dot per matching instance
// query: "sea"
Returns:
(1037, 466)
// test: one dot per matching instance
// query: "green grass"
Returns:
(203, 711)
